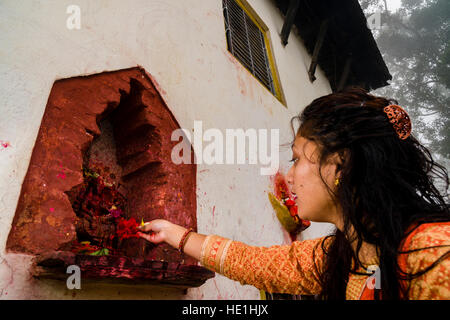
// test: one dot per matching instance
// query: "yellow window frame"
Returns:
(272, 65)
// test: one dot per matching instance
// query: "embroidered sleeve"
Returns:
(289, 269)
(434, 284)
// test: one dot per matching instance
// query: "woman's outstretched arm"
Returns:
(290, 268)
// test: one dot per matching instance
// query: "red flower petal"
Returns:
(289, 202)
(293, 210)
(127, 229)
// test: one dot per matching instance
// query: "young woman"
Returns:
(356, 165)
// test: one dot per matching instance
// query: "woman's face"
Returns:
(313, 200)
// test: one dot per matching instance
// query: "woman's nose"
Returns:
(290, 176)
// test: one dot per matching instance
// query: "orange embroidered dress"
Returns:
(290, 268)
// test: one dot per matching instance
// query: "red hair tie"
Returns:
(399, 119)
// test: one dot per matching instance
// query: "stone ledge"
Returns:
(120, 270)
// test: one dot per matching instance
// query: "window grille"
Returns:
(246, 41)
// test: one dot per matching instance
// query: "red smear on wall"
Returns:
(5, 144)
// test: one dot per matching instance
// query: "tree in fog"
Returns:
(414, 42)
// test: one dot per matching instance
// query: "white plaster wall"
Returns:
(182, 45)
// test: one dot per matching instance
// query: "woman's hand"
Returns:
(165, 231)
(160, 230)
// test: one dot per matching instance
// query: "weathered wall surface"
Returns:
(182, 45)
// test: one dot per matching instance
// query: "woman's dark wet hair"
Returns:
(386, 185)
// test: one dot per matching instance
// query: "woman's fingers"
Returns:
(156, 225)
(157, 229)
(153, 237)
(146, 227)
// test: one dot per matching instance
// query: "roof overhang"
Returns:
(336, 35)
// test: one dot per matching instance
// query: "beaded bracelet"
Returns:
(183, 240)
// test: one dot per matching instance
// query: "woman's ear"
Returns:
(338, 159)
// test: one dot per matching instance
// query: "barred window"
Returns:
(247, 41)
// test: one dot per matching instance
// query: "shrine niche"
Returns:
(100, 166)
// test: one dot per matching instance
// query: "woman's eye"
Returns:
(293, 160)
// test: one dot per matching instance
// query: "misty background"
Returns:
(413, 38)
